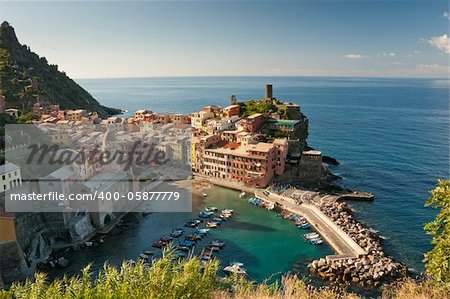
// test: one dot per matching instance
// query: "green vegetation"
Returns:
(169, 278)
(26, 77)
(257, 106)
(437, 261)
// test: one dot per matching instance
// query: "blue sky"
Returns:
(194, 38)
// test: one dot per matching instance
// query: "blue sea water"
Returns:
(391, 136)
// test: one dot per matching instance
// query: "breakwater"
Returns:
(370, 269)
(359, 258)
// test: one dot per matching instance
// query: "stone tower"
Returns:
(268, 92)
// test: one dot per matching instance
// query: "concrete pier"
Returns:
(342, 244)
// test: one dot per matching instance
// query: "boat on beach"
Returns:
(193, 223)
(204, 214)
(211, 224)
(242, 194)
(211, 209)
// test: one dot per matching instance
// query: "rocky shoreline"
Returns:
(369, 270)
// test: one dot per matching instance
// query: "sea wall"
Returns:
(13, 266)
(368, 270)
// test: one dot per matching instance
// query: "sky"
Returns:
(396, 38)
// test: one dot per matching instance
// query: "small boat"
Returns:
(311, 236)
(204, 195)
(211, 224)
(203, 214)
(213, 248)
(211, 209)
(193, 223)
(316, 241)
(227, 211)
(255, 201)
(235, 270)
(131, 262)
(147, 252)
(242, 194)
(206, 257)
(176, 233)
(300, 220)
(239, 264)
(217, 243)
(270, 206)
(304, 225)
(217, 220)
(143, 256)
(166, 239)
(88, 243)
(159, 244)
(202, 231)
(193, 237)
(185, 245)
(224, 217)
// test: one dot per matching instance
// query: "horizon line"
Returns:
(261, 76)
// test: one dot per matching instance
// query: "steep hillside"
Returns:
(26, 77)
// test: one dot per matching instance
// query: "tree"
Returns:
(437, 261)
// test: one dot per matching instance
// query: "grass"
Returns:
(170, 278)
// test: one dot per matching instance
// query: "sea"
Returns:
(391, 137)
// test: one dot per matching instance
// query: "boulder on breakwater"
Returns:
(368, 270)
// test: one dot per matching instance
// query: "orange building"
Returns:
(252, 164)
(7, 227)
(231, 110)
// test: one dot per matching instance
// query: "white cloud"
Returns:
(355, 56)
(446, 15)
(389, 54)
(441, 43)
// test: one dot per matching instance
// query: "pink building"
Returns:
(253, 122)
(231, 110)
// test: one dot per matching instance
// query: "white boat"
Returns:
(88, 243)
(211, 209)
(242, 194)
(239, 264)
(235, 269)
(227, 211)
(211, 224)
(311, 235)
(204, 195)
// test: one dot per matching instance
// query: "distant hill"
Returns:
(26, 77)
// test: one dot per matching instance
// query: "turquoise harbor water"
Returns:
(390, 135)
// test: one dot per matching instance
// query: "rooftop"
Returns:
(8, 167)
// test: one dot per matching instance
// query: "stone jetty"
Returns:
(371, 269)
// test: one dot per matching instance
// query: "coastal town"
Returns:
(258, 147)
